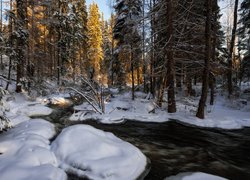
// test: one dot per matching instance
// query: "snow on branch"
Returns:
(94, 96)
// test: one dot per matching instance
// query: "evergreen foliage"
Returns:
(95, 52)
(244, 38)
(126, 32)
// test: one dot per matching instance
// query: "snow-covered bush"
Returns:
(4, 121)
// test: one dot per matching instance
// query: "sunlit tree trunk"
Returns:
(132, 72)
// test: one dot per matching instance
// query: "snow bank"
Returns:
(121, 108)
(17, 119)
(90, 152)
(20, 105)
(20, 109)
(36, 110)
(25, 152)
(194, 176)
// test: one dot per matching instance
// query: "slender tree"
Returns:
(230, 52)
(10, 44)
(21, 43)
(202, 103)
(170, 60)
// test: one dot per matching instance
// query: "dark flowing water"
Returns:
(173, 147)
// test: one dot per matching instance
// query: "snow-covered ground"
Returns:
(224, 114)
(25, 152)
(90, 152)
(20, 109)
(194, 176)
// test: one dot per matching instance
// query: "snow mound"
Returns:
(92, 153)
(194, 176)
(20, 106)
(25, 152)
(36, 110)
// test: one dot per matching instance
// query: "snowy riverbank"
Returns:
(225, 114)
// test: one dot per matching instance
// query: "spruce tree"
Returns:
(230, 51)
(21, 41)
(107, 49)
(244, 38)
(82, 14)
(128, 36)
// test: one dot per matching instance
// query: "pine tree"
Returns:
(11, 50)
(21, 41)
(244, 38)
(127, 35)
(205, 77)
(107, 50)
(82, 13)
(230, 51)
(170, 80)
(61, 25)
(95, 53)
(112, 48)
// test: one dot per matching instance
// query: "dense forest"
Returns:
(154, 45)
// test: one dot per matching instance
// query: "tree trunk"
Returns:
(230, 57)
(20, 44)
(195, 80)
(138, 75)
(11, 47)
(152, 54)
(59, 59)
(202, 103)
(162, 82)
(189, 86)
(170, 60)
(211, 85)
(239, 71)
(112, 54)
(143, 48)
(1, 27)
(132, 75)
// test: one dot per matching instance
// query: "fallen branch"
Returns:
(86, 98)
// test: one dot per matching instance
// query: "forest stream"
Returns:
(174, 147)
